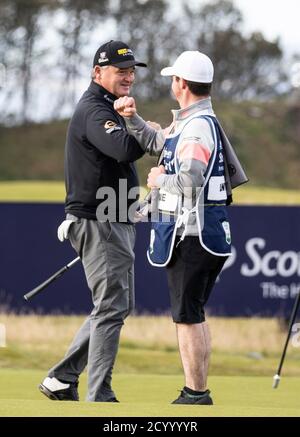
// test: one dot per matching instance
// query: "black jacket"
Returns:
(99, 152)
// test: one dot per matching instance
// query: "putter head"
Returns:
(276, 380)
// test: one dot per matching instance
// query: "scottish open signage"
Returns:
(262, 277)
(263, 274)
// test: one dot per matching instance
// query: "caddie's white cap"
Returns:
(193, 66)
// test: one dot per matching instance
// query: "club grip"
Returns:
(44, 284)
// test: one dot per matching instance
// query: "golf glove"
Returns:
(63, 229)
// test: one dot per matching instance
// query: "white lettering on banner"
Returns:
(286, 258)
(271, 264)
(284, 291)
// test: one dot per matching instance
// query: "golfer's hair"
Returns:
(93, 75)
(199, 89)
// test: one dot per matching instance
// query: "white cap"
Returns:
(193, 66)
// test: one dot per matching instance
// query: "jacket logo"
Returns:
(109, 124)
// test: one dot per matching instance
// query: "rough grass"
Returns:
(148, 344)
(32, 191)
(54, 191)
(229, 334)
(150, 395)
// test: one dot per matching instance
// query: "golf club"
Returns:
(48, 281)
(276, 377)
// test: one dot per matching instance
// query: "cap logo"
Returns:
(103, 57)
(125, 52)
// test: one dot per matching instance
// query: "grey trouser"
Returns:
(106, 251)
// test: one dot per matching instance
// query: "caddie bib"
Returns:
(210, 208)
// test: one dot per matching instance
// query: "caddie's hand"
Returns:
(153, 175)
(63, 230)
(125, 106)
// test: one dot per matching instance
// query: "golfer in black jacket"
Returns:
(99, 159)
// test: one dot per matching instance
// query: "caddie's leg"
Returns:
(194, 347)
(192, 273)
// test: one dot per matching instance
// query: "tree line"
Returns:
(47, 46)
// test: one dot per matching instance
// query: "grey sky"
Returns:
(273, 18)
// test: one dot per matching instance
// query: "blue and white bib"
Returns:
(210, 208)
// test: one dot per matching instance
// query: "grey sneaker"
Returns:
(186, 398)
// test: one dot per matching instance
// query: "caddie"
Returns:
(191, 233)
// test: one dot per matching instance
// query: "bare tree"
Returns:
(21, 23)
(148, 28)
(74, 35)
(245, 66)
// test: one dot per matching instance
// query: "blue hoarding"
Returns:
(261, 278)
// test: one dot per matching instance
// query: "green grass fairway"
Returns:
(150, 395)
(32, 191)
(54, 191)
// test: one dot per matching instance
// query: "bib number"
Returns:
(167, 202)
(217, 188)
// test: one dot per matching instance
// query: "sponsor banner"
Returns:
(262, 277)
